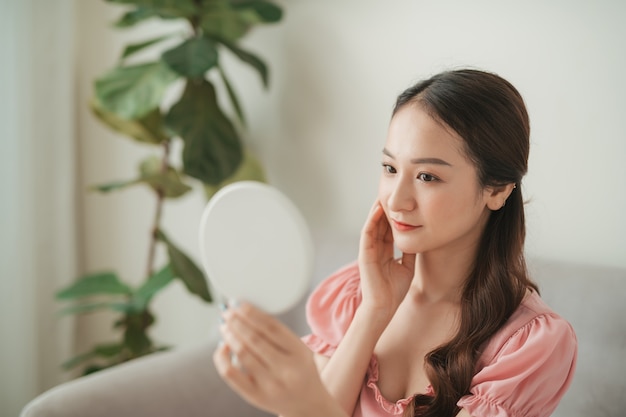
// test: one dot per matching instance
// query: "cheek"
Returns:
(383, 196)
(385, 191)
(445, 209)
(458, 211)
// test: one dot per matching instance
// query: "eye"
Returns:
(389, 169)
(426, 177)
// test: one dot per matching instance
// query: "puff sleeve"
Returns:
(529, 374)
(331, 308)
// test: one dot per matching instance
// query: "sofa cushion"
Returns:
(591, 298)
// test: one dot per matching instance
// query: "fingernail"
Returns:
(234, 360)
(233, 303)
(223, 309)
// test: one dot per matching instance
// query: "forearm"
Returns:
(344, 373)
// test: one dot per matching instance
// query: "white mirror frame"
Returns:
(255, 246)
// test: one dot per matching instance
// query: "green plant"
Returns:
(130, 99)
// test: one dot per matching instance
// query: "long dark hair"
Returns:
(490, 115)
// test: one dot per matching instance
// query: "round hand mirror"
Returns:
(255, 246)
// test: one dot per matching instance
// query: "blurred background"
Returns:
(335, 70)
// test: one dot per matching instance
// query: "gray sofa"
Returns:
(183, 382)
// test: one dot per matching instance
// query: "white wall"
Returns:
(37, 207)
(336, 67)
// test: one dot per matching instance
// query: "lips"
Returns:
(403, 227)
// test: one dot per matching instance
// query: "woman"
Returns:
(454, 326)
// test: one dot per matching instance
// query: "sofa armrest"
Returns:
(181, 382)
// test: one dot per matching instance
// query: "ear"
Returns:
(496, 196)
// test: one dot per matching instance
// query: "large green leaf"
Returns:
(134, 91)
(165, 8)
(95, 284)
(267, 12)
(168, 182)
(151, 173)
(148, 129)
(219, 18)
(193, 57)
(212, 150)
(135, 16)
(136, 47)
(185, 269)
(153, 284)
(247, 57)
(250, 169)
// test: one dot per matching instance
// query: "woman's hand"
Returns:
(385, 280)
(272, 368)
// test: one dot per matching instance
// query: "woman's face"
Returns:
(428, 188)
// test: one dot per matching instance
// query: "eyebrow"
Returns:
(435, 161)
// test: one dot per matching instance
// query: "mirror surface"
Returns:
(255, 246)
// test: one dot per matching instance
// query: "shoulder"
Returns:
(527, 366)
(333, 303)
(533, 321)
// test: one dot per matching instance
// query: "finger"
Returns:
(384, 226)
(244, 355)
(385, 230)
(377, 237)
(232, 375)
(262, 335)
(242, 342)
(371, 222)
(371, 229)
(266, 326)
(240, 382)
(408, 260)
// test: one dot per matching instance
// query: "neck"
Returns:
(441, 276)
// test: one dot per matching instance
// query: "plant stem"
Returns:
(194, 21)
(159, 210)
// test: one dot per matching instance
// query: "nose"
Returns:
(402, 196)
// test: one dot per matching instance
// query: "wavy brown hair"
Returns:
(490, 115)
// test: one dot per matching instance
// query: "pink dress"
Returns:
(524, 369)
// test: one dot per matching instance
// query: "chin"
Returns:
(406, 244)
